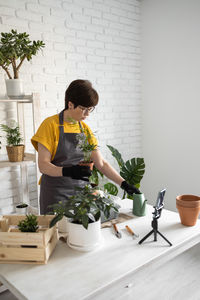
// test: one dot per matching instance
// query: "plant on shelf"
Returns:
(15, 48)
(84, 212)
(14, 147)
(29, 224)
(86, 144)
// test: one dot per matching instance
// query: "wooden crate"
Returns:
(26, 247)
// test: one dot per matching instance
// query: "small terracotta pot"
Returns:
(189, 208)
(87, 164)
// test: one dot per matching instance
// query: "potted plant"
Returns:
(132, 171)
(15, 149)
(15, 48)
(84, 212)
(84, 143)
(21, 208)
(29, 224)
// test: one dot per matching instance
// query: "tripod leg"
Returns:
(146, 236)
(155, 235)
(164, 238)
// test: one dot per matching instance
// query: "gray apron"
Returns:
(55, 189)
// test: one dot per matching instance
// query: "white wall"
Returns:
(97, 40)
(171, 93)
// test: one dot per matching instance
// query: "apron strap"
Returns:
(61, 125)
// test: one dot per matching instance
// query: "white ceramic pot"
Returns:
(82, 239)
(21, 210)
(63, 225)
(14, 88)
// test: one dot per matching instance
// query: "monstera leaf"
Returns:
(116, 155)
(133, 170)
(111, 188)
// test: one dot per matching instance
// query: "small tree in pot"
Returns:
(15, 149)
(84, 211)
(15, 48)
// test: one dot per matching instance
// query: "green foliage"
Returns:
(116, 155)
(84, 144)
(29, 224)
(132, 170)
(111, 188)
(14, 49)
(84, 207)
(13, 135)
(94, 178)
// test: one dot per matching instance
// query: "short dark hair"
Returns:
(81, 92)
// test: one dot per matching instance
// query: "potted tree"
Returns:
(132, 171)
(15, 149)
(15, 48)
(85, 144)
(84, 212)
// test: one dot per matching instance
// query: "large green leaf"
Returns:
(133, 170)
(55, 220)
(111, 188)
(116, 155)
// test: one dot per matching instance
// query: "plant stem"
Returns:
(17, 68)
(8, 73)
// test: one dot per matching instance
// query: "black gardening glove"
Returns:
(77, 172)
(130, 189)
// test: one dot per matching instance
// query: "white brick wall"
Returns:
(97, 40)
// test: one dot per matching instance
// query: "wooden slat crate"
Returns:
(26, 247)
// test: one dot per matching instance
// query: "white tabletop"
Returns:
(70, 274)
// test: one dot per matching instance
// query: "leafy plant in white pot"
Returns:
(15, 48)
(84, 211)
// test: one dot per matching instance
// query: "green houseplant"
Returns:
(21, 208)
(15, 149)
(87, 146)
(29, 224)
(132, 171)
(15, 48)
(84, 212)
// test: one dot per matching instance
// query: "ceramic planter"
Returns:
(82, 239)
(63, 225)
(139, 205)
(14, 88)
(188, 207)
(21, 210)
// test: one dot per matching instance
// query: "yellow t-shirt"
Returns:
(48, 134)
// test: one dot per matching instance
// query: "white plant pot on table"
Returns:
(14, 88)
(63, 225)
(82, 239)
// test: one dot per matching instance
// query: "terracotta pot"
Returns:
(188, 215)
(88, 164)
(188, 200)
(189, 208)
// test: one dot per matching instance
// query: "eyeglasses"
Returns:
(86, 109)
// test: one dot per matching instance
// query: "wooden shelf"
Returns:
(28, 159)
(25, 99)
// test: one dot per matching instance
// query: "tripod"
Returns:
(154, 224)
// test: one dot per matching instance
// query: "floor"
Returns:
(176, 280)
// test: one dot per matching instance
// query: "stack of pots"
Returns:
(189, 208)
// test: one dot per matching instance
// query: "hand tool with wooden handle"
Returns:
(117, 233)
(131, 232)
